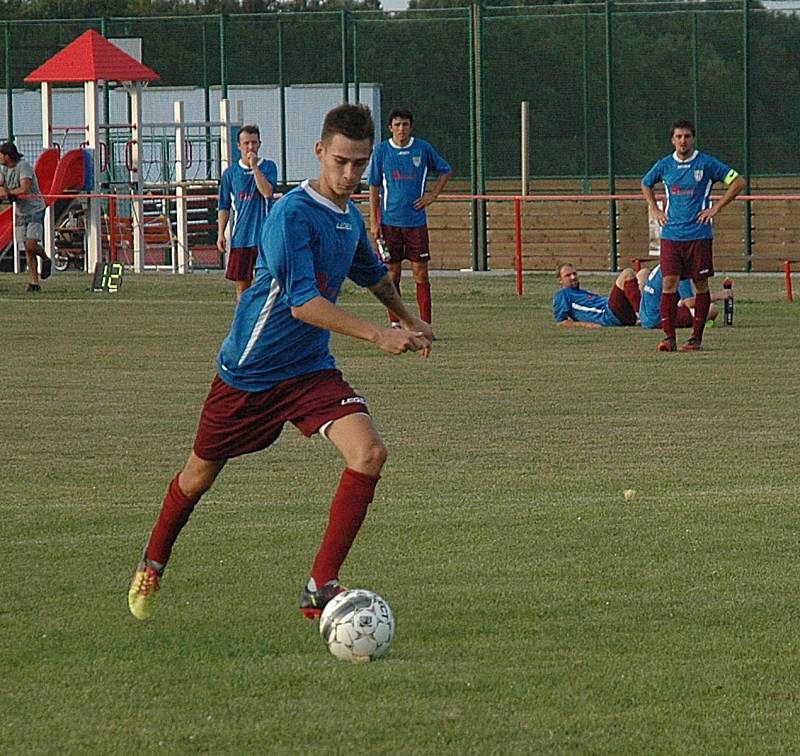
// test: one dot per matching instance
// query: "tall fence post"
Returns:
(282, 94)
(9, 84)
(587, 184)
(223, 56)
(345, 82)
(612, 182)
(480, 257)
(748, 224)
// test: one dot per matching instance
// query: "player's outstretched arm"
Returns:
(324, 314)
(386, 293)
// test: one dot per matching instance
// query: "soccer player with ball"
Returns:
(275, 365)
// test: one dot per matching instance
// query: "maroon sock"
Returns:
(348, 510)
(669, 313)
(633, 294)
(174, 513)
(702, 302)
(424, 301)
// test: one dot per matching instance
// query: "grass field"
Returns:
(537, 610)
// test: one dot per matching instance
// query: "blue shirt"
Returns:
(238, 190)
(308, 247)
(688, 185)
(400, 172)
(583, 306)
(650, 306)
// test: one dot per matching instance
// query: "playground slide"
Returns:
(55, 175)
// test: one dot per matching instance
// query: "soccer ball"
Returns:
(357, 626)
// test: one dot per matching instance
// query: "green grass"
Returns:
(537, 610)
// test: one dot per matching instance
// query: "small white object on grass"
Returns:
(629, 493)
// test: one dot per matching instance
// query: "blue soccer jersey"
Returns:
(650, 306)
(238, 191)
(308, 247)
(688, 192)
(583, 306)
(400, 172)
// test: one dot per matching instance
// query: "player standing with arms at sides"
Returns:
(686, 234)
(247, 188)
(397, 203)
(275, 365)
(18, 184)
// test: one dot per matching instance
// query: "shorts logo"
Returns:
(698, 175)
(342, 226)
(353, 400)
(703, 271)
(417, 160)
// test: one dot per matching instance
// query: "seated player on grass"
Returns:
(650, 306)
(574, 306)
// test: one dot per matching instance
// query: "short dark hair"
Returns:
(352, 121)
(682, 123)
(10, 150)
(404, 114)
(249, 128)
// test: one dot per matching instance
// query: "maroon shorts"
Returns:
(618, 304)
(407, 243)
(240, 263)
(687, 259)
(235, 422)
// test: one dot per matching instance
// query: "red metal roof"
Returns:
(91, 57)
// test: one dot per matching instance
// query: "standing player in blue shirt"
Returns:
(686, 247)
(397, 202)
(574, 306)
(246, 188)
(275, 366)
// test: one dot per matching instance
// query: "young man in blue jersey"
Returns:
(397, 202)
(577, 307)
(246, 188)
(650, 306)
(686, 247)
(275, 365)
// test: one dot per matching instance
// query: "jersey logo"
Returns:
(416, 160)
(698, 175)
(343, 226)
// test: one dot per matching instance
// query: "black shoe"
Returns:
(47, 268)
(34, 287)
(312, 601)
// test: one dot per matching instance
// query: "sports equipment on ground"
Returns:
(313, 600)
(143, 592)
(728, 284)
(357, 626)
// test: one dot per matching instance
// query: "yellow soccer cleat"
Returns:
(143, 592)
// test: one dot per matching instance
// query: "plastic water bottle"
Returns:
(728, 284)
(382, 249)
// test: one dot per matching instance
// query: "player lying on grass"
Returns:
(574, 306)
(650, 306)
(275, 365)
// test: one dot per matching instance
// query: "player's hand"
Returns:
(660, 216)
(251, 159)
(221, 244)
(424, 201)
(401, 340)
(706, 215)
(416, 324)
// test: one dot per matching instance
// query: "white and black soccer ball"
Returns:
(357, 626)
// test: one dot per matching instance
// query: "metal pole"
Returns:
(282, 90)
(587, 185)
(524, 142)
(612, 205)
(748, 228)
(479, 121)
(356, 82)
(695, 72)
(473, 129)
(223, 56)
(206, 99)
(107, 110)
(345, 82)
(9, 85)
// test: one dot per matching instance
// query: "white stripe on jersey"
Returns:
(385, 192)
(424, 178)
(706, 193)
(261, 321)
(584, 308)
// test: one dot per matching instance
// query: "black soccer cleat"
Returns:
(313, 600)
(47, 268)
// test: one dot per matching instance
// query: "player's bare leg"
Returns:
(185, 490)
(420, 271)
(241, 288)
(364, 453)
